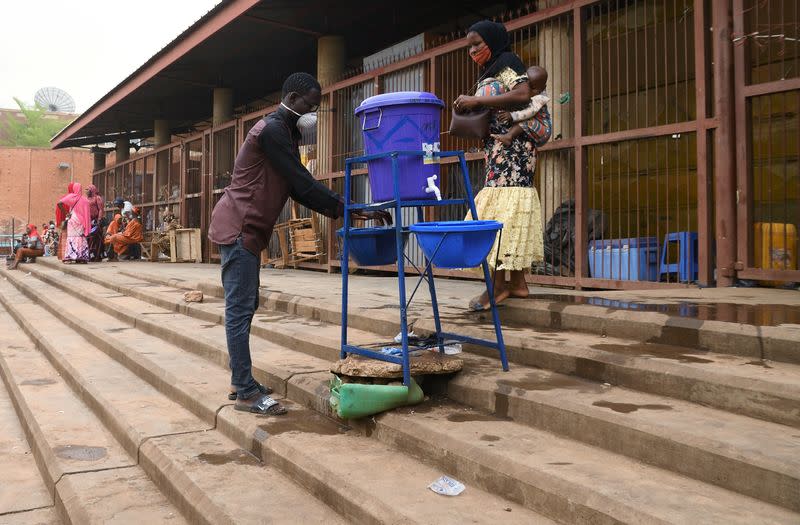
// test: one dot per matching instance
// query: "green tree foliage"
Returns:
(35, 130)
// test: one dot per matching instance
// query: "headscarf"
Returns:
(496, 38)
(33, 232)
(77, 204)
(95, 201)
(114, 226)
(60, 216)
(127, 207)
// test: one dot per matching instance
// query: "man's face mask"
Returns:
(307, 121)
(304, 121)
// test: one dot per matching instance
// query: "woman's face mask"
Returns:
(481, 54)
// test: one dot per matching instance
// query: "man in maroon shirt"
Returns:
(267, 172)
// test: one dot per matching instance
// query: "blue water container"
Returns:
(402, 121)
(456, 244)
(634, 259)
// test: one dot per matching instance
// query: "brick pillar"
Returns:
(123, 150)
(330, 66)
(99, 160)
(161, 132)
(555, 178)
(223, 106)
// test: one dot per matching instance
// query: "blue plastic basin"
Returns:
(464, 244)
(373, 246)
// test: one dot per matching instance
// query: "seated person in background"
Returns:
(50, 240)
(127, 242)
(19, 243)
(537, 80)
(112, 229)
(31, 247)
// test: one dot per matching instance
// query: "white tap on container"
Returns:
(433, 188)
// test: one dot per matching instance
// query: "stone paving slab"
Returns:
(21, 485)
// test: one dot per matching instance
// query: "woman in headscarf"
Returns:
(127, 244)
(96, 206)
(75, 208)
(509, 195)
(33, 247)
(61, 221)
(112, 230)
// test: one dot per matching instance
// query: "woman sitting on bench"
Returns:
(33, 247)
(128, 242)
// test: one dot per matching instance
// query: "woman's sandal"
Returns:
(261, 388)
(265, 406)
(477, 306)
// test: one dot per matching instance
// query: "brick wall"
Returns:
(31, 182)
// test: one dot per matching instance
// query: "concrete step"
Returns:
(733, 458)
(298, 437)
(765, 390)
(21, 485)
(547, 313)
(364, 495)
(205, 475)
(533, 465)
(369, 481)
(88, 473)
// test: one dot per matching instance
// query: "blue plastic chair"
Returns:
(687, 265)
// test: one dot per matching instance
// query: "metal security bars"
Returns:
(766, 36)
(643, 121)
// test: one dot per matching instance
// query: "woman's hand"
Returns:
(465, 103)
(504, 117)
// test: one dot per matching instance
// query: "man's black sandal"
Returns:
(261, 388)
(266, 406)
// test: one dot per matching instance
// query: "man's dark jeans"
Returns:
(240, 279)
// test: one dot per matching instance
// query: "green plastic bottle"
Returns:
(354, 400)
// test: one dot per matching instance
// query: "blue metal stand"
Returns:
(427, 274)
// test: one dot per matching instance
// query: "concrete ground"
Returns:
(381, 291)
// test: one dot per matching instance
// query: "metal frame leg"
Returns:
(432, 287)
(401, 274)
(487, 276)
(345, 258)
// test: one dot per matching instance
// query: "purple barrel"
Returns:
(402, 121)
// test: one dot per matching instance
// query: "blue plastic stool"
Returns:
(686, 267)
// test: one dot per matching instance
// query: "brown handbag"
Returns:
(470, 125)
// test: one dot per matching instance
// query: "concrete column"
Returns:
(330, 66)
(223, 106)
(330, 58)
(726, 191)
(123, 150)
(553, 169)
(161, 133)
(99, 160)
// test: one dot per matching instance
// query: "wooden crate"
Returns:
(185, 245)
(300, 240)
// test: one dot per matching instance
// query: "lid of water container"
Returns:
(397, 98)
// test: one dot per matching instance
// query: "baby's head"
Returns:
(537, 79)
